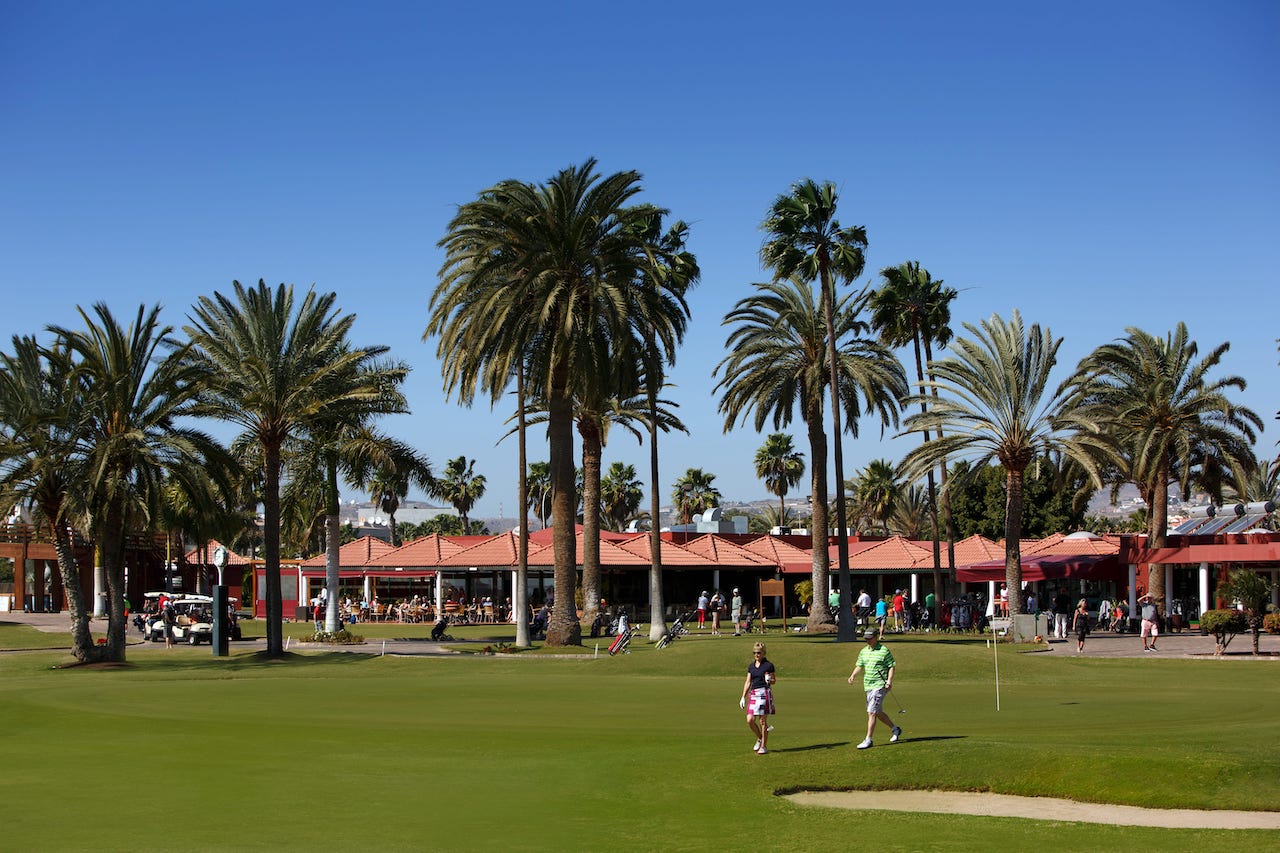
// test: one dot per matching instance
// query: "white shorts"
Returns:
(875, 700)
(1150, 628)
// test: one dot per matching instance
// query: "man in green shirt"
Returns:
(876, 663)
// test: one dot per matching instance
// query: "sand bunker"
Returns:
(1036, 808)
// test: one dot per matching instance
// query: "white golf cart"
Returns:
(194, 621)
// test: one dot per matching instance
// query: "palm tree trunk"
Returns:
(519, 595)
(948, 525)
(820, 616)
(846, 632)
(82, 648)
(564, 629)
(331, 543)
(591, 453)
(657, 606)
(933, 492)
(271, 549)
(1012, 539)
(1158, 531)
(112, 537)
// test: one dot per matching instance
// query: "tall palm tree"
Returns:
(137, 388)
(550, 269)
(669, 269)
(461, 486)
(693, 493)
(780, 465)
(539, 478)
(620, 495)
(910, 307)
(39, 403)
(878, 491)
(1167, 417)
(993, 406)
(805, 239)
(777, 368)
(272, 365)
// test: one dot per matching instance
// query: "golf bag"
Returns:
(620, 643)
(675, 632)
(438, 631)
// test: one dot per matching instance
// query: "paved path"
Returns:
(1102, 645)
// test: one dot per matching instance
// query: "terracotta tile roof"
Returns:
(720, 551)
(673, 555)
(352, 554)
(420, 553)
(975, 549)
(890, 554)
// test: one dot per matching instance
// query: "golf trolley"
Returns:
(438, 634)
(676, 631)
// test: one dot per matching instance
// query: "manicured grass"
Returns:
(646, 751)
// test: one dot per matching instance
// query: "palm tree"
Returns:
(461, 486)
(911, 514)
(777, 367)
(131, 436)
(693, 493)
(550, 271)
(38, 419)
(911, 308)
(620, 495)
(780, 465)
(1167, 417)
(992, 406)
(879, 491)
(770, 517)
(805, 239)
(539, 478)
(388, 479)
(272, 366)
(669, 270)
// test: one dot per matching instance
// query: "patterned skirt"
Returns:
(760, 702)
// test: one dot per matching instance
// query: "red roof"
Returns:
(233, 559)
(353, 554)
(420, 553)
(720, 551)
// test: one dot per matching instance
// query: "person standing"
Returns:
(899, 605)
(1061, 607)
(757, 696)
(169, 617)
(876, 663)
(882, 613)
(735, 610)
(703, 603)
(1150, 623)
(1080, 624)
(717, 604)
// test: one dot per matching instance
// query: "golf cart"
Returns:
(194, 621)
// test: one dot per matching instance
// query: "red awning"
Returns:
(1048, 567)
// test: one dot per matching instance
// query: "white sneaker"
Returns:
(897, 733)
(762, 751)
(866, 744)
(756, 748)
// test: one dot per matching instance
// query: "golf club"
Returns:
(901, 710)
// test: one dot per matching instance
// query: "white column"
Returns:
(991, 598)
(1205, 603)
(915, 587)
(439, 593)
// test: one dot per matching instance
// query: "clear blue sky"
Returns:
(1094, 165)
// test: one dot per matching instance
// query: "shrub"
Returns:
(340, 637)
(1224, 625)
(1271, 623)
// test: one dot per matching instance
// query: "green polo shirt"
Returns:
(876, 661)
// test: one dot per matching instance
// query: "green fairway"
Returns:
(647, 751)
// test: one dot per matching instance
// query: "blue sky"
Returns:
(1094, 165)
